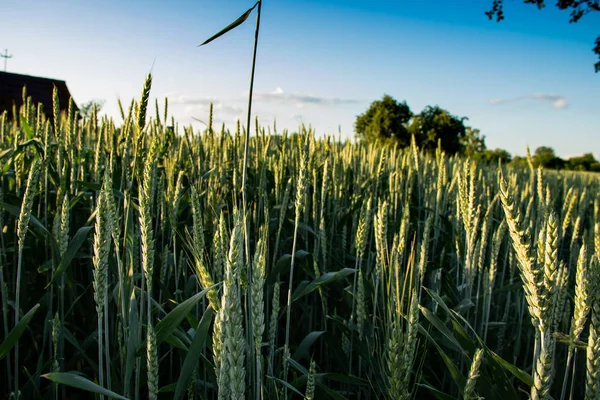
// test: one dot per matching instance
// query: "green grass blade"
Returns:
(324, 279)
(26, 128)
(283, 263)
(74, 246)
(13, 152)
(517, 372)
(287, 385)
(69, 337)
(16, 211)
(458, 378)
(231, 26)
(173, 319)
(97, 187)
(14, 335)
(79, 382)
(193, 355)
(503, 387)
(441, 327)
(437, 393)
(303, 349)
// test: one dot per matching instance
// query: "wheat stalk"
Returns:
(468, 392)
(258, 305)
(592, 381)
(232, 370)
(102, 232)
(299, 208)
(22, 228)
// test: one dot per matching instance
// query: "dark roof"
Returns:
(39, 89)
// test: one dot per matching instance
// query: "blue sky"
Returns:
(528, 80)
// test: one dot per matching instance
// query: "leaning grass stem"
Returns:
(22, 228)
(245, 170)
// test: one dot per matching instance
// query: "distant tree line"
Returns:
(393, 122)
(546, 157)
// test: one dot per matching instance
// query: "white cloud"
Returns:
(187, 100)
(201, 104)
(278, 96)
(559, 103)
(556, 101)
(194, 109)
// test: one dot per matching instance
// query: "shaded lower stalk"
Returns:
(244, 178)
(299, 206)
(22, 227)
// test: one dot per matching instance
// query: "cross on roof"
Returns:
(6, 56)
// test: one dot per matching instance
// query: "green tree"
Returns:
(86, 109)
(546, 157)
(543, 156)
(583, 163)
(472, 143)
(385, 119)
(435, 123)
(578, 9)
(519, 162)
(493, 156)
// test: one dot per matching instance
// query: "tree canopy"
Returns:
(86, 109)
(493, 156)
(385, 119)
(586, 162)
(578, 9)
(435, 124)
(546, 157)
(390, 120)
(472, 142)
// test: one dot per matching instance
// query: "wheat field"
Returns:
(131, 267)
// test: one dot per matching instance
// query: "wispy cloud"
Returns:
(234, 108)
(196, 104)
(556, 101)
(188, 100)
(278, 96)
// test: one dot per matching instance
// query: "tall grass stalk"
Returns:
(102, 232)
(258, 316)
(147, 244)
(299, 205)
(22, 228)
